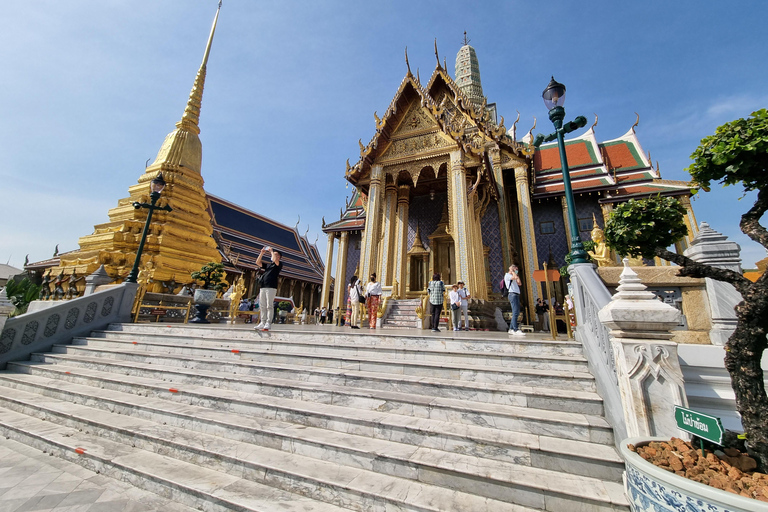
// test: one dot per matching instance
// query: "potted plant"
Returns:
(283, 308)
(212, 277)
(735, 154)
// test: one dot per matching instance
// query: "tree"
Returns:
(736, 153)
(211, 275)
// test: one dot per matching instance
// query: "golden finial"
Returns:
(362, 148)
(436, 55)
(406, 61)
(445, 66)
(418, 77)
(348, 168)
(191, 116)
(594, 124)
(636, 122)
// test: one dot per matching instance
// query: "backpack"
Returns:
(503, 287)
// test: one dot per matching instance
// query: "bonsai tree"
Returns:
(20, 294)
(736, 154)
(212, 276)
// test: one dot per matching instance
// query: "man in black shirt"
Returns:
(268, 286)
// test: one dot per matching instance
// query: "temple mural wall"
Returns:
(424, 213)
(489, 225)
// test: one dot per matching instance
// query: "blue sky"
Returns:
(89, 90)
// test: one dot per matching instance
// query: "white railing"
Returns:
(40, 330)
(590, 296)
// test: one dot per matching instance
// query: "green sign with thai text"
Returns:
(705, 426)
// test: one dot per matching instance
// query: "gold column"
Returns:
(480, 291)
(504, 230)
(326, 294)
(564, 206)
(387, 254)
(401, 239)
(340, 289)
(527, 230)
(690, 223)
(461, 229)
(606, 209)
(369, 246)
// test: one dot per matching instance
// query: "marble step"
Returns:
(323, 354)
(574, 457)
(316, 406)
(473, 341)
(183, 482)
(559, 379)
(293, 469)
(314, 379)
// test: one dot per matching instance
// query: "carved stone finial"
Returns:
(594, 124)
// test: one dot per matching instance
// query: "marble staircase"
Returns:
(401, 314)
(224, 418)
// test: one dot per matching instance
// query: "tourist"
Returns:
(542, 312)
(355, 293)
(317, 315)
(268, 286)
(455, 300)
(464, 295)
(330, 315)
(303, 316)
(372, 297)
(512, 282)
(436, 290)
(323, 315)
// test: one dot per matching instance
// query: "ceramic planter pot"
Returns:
(652, 489)
(203, 300)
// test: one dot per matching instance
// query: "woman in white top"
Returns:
(464, 296)
(373, 297)
(455, 300)
(354, 299)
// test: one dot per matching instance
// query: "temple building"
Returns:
(201, 228)
(443, 187)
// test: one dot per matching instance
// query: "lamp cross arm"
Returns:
(579, 122)
(541, 138)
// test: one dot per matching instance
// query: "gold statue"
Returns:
(601, 254)
(395, 290)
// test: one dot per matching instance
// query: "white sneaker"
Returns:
(511, 331)
(259, 327)
(266, 327)
(519, 333)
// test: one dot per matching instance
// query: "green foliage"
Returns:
(639, 226)
(284, 306)
(737, 152)
(589, 245)
(21, 293)
(211, 275)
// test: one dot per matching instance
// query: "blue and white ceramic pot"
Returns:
(652, 489)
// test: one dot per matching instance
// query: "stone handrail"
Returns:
(40, 330)
(590, 295)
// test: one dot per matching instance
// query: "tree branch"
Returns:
(690, 268)
(750, 221)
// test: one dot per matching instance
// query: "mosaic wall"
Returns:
(353, 257)
(557, 242)
(425, 213)
(551, 211)
(489, 225)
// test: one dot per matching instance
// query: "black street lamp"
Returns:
(554, 97)
(156, 186)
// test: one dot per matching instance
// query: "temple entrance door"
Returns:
(444, 261)
(418, 273)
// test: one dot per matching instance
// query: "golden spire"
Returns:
(191, 117)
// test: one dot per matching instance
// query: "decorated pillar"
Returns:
(326, 294)
(401, 238)
(564, 206)
(340, 290)
(527, 230)
(690, 223)
(504, 228)
(480, 290)
(460, 226)
(388, 238)
(369, 247)
(606, 209)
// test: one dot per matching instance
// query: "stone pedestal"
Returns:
(647, 369)
(713, 248)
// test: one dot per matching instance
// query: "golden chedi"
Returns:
(178, 242)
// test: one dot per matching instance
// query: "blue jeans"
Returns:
(514, 301)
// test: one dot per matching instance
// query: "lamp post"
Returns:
(156, 186)
(554, 97)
